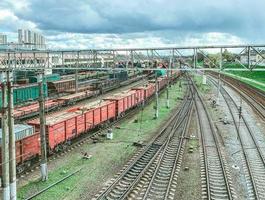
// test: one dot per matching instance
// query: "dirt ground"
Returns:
(189, 181)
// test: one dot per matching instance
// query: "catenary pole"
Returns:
(5, 141)
(12, 139)
(43, 165)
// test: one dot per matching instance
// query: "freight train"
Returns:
(62, 127)
(55, 85)
(25, 111)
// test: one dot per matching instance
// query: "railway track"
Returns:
(255, 97)
(215, 177)
(159, 181)
(252, 153)
(159, 158)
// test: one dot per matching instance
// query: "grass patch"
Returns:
(198, 79)
(108, 156)
(258, 76)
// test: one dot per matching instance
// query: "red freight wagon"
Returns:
(60, 127)
(149, 90)
(98, 112)
(27, 148)
(33, 108)
(124, 101)
(27, 144)
(78, 96)
(161, 83)
(140, 94)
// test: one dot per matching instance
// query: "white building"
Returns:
(29, 38)
(254, 58)
(3, 39)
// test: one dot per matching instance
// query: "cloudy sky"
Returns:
(136, 23)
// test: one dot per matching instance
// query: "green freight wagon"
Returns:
(48, 78)
(27, 93)
(160, 72)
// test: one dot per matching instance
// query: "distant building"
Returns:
(254, 58)
(3, 39)
(28, 38)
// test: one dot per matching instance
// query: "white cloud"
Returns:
(136, 23)
(138, 40)
(11, 23)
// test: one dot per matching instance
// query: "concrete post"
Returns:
(76, 80)
(43, 165)
(5, 141)
(249, 63)
(12, 138)
(195, 58)
(169, 67)
(76, 73)
(173, 61)
(219, 76)
(132, 59)
(156, 88)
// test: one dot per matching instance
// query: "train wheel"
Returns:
(57, 149)
(27, 164)
(20, 168)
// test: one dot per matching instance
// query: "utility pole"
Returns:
(12, 138)
(169, 67)
(76, 73)
(195, 58)
(132, 58)
(156, 106)
(249, 63)
(173, 61)
(43, 165)
(219, 76)
(5, 140)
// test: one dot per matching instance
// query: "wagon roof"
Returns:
(18, 128)
(95, 104)
(57, 117)
(120, 95)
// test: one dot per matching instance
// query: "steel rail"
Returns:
(175, 120)
(228, 97)
(177, 155)
(254, 97)
(175, 128)
(210, 190)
